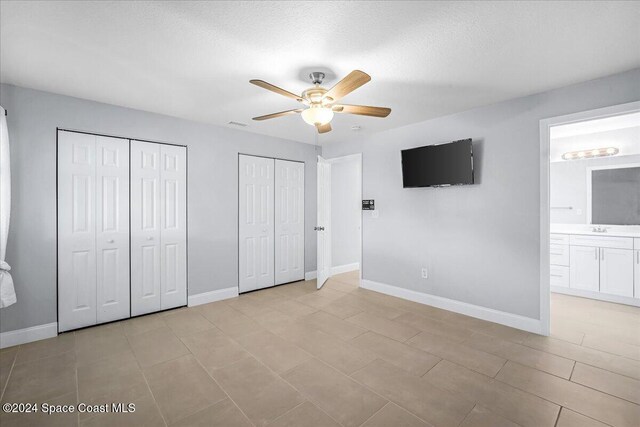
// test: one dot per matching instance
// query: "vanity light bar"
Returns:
(588, 154)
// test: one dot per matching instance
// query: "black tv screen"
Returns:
(438, 165)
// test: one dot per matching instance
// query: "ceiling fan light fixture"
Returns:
(317, 115)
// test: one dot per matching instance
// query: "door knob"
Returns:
(110, 241)
(149, 238)
(318, 228)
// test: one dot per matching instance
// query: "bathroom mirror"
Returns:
(613, 195)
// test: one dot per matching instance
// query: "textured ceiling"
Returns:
(426, 59)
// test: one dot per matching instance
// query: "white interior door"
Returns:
(145, 228)
(323, 223)
(112, 228)
(173, 226)
(76, 230)
(255, 222)
(289, 221)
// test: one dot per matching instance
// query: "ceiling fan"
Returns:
(321, 102)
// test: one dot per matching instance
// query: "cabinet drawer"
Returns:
(559, 276)
(559, 254)
(559, 239)
(602, 241)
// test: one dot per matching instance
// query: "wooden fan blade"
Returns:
(344, 87)
(280, 114)
(324, 128)
(362, 110)
(276, 89)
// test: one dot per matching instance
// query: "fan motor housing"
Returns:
(316, 77)
(314, 95)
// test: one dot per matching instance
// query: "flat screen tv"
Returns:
(438, 165)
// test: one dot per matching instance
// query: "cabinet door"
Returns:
(616, 271)
(289, 221)
(255, 221)
(112, 228)
(636, 274)
(76, 230)
(584, 267)
(145, 228)
(173, 226)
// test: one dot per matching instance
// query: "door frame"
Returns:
(545, 211)
(58, 130)
(349, 157)
(304, 203)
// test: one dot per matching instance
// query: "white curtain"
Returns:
(7, 292)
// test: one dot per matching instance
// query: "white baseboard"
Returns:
(310, 275)
(596, 295)
(27, 335)
(508, 319)
(213, 296)
(345, 268)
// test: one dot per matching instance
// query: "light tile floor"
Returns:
(341, 356)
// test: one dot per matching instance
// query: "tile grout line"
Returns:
(558, 417)
(587, 363)
(283, 379)
(573, 368)
(558, 404)
(144, 376)
(469, 413)
(290, 410)
(396, 403)
(6, 384)
(221, 388)
(376, 412)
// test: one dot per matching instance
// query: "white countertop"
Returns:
(584, 229)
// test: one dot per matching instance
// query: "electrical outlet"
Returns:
(425, 273)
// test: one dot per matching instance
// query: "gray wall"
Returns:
(213, 230)
(480, 242)
(346, 210)
(568, 186)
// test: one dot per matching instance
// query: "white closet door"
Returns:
(289, 221)
(255, 217)
(173, 226)
(76, 230)
(112, 228)
(145, 228)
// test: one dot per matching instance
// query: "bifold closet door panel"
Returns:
(173, 226)
(289, 221)
(145, 228)
(112, 228)
(255, 221)
(76, 230)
